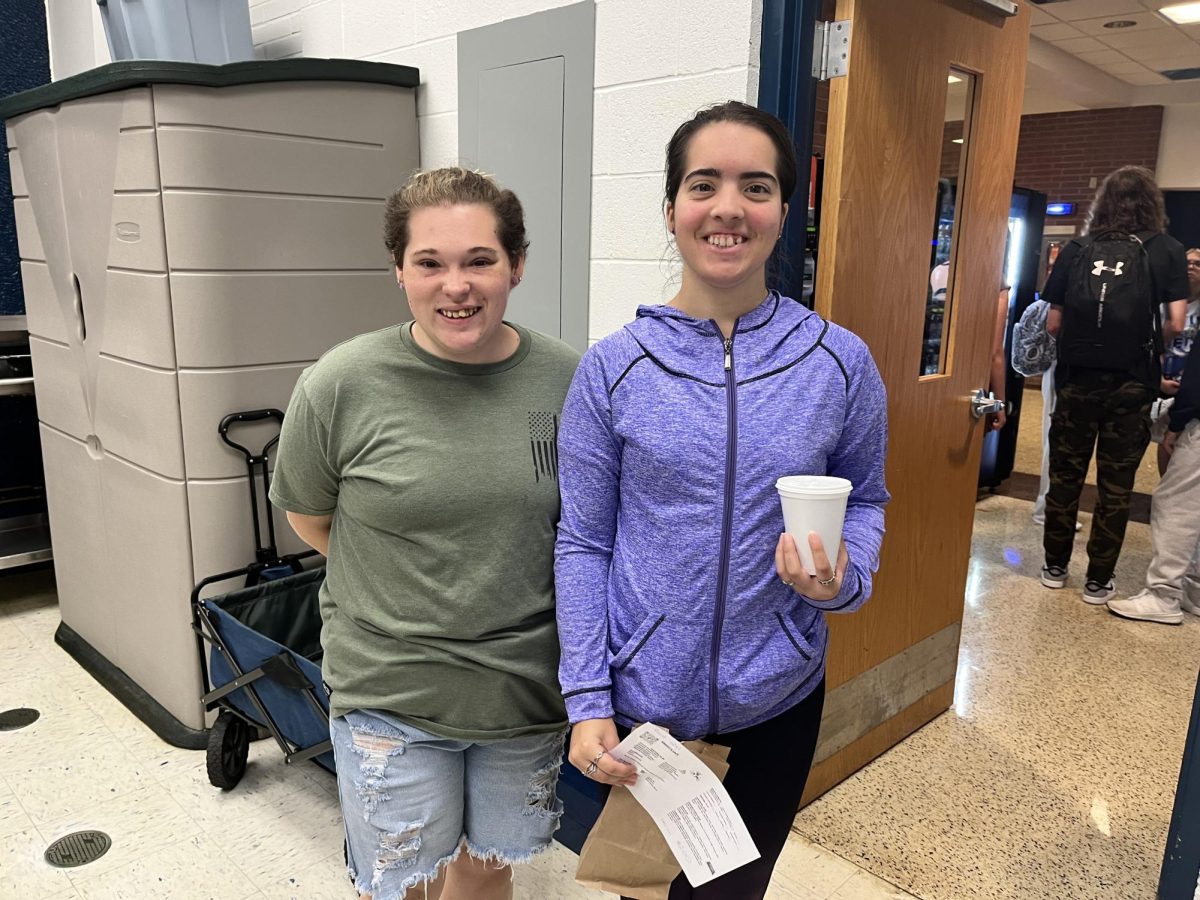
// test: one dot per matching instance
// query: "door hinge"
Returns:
(831, 49)
(1005, 7)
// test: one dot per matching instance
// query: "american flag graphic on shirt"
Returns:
(543, 442)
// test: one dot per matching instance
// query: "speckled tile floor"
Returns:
(1053, 776)
(88, 763)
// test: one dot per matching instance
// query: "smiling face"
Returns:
(1193, 271)
(728, 211)
(457, 278)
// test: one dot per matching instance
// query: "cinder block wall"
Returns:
(656, 62)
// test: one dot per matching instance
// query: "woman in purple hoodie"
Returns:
(680, 600)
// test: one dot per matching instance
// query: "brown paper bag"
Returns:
(625, 853)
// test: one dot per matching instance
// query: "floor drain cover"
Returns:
(12, 719)
(78, 849)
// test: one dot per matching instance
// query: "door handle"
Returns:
(984, 403)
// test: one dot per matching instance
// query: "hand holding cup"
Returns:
(793, 571)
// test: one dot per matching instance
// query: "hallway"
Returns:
(1054, 774)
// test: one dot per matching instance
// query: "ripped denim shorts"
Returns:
(410, 799)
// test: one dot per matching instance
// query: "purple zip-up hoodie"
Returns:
(669, 606)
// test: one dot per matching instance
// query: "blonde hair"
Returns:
(452, 186)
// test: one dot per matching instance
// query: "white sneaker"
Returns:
(1189, 601)
(1097, 594)
(1147, 607)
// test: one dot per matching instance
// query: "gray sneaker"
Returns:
(1054, 576)
(1098, 594)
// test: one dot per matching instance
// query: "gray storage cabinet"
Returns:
(191, 237)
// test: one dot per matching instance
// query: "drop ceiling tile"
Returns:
(1095, 57)
(1143, 78)
(1156, 59)
(1166, 63)
(1123, 68)
(1056, 32)
(1070, 10)
(1146, 21)
(1192, 31)
(1082, 44)
(1039, 17)
(1166, 40)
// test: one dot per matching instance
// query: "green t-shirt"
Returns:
(438, 602)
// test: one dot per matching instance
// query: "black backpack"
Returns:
(1110, 308)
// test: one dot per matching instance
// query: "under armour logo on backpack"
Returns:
(1100, 268)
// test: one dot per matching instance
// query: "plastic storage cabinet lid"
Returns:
(135, 73)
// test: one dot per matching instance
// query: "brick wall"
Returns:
(1060, 153)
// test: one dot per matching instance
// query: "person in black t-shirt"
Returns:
(1106, 410)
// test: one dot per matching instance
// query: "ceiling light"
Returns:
(953, 79)
(957, 141)
(1120, 23)
(1182, 13)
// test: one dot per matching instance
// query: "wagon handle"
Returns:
(253, 459)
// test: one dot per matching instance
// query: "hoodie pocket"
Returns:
(659, 675)
(763, 663)
(799, 641)
(637, 641)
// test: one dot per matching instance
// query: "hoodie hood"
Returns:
(776, 333)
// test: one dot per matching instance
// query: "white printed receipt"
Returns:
(688, 803)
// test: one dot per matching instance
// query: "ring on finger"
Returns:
(590, 770)
(825, 582)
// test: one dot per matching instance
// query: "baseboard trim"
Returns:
(136, 700)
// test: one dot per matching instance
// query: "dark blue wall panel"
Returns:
(787, 89)
(24, 64)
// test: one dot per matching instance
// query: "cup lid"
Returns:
(813, 485)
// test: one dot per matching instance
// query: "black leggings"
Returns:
(768, 766)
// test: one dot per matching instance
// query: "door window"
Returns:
(960, 91)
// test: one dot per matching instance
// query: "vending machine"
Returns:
(1022, 257)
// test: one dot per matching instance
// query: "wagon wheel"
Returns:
(228, 747)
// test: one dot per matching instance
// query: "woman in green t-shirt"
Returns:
(420, 459)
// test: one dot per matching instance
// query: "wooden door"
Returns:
(892, 665)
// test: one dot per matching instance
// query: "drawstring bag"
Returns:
(1033, 349)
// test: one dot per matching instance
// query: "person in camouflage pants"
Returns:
(1109, 412)
(1106, 376)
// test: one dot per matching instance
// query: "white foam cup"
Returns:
(814, 503)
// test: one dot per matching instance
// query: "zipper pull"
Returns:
(728, 354)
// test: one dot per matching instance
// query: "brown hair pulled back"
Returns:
(740, 114)
(452, 186)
